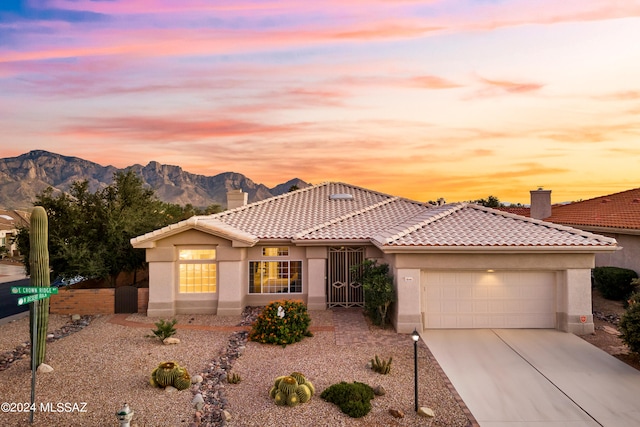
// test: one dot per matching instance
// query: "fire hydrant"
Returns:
(124, 415)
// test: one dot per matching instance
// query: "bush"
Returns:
(379, 293)
(287, 326)
(165, 329)
(614, 283)
(354, 399)
(630, 323)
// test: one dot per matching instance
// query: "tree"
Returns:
(489, 202)
(378, 289)
(90, 233)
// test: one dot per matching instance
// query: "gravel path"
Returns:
(105, 365)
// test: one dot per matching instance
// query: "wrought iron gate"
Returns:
(342, 290)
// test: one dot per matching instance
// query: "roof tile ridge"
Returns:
(547, 224)
(267, 200)
(341, 218)
(379, 193)
(450, 208)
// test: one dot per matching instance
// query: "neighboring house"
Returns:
(615, 215)
(454, 266)
(10, 220)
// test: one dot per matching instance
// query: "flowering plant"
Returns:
(281, 322)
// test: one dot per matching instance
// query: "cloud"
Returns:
(431, 82)
(168, 129)
(492, 88)
(592, 134)
(627, 95)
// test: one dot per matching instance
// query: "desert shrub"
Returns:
(630, 323)
(354, 399)
(379, 293)
(281, 322)
(165, 329)
(614, 283)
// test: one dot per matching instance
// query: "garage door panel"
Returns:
(478, 299)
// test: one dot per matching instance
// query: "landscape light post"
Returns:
(415, 336)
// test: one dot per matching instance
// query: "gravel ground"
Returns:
(106, 365)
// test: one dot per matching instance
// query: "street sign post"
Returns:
(37, 293)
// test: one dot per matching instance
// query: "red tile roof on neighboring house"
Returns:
(312, 216)
(517, 210)
(619, 210)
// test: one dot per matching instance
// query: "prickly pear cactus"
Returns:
(39, 268)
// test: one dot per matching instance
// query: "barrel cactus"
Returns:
(170, 374)
(299, 377)
(273, 391)
(167, 372)
(288, 385)
(183, 380)
(291, 390)
(293, 400)
(39, 268)
(280, 398)
(311, 387)
(303, 392)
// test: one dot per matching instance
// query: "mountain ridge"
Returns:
(27, 175)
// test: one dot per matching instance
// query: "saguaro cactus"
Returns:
(39, 268)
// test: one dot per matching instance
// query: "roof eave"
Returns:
(238, 238)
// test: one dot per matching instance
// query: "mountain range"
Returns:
(25, 176)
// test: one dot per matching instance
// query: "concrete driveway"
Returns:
(536, 377)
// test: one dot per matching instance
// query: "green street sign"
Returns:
(33, 290)
(31, 298)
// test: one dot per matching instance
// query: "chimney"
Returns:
(236, 198)
(540, 203)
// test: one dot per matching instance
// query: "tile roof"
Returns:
(310, 216)
(619, 210)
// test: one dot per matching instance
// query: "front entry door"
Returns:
(342, 290)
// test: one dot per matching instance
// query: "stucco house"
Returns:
(454, 266)
(614, 215)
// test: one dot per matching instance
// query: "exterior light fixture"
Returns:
(415, 336)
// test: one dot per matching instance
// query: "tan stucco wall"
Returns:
(164, 298)
(573, 283)
(627, 257)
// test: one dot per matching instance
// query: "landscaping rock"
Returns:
(196, 379)
(426, 412)
(198, 402)
(379, 390)
(171, 340)
(397, 413)
(44, 368)
(610, 330)
(170, 389)
(226, 416)
(75, 317)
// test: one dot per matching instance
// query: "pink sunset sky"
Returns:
(458, 99)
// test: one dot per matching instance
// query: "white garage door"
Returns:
(481, 299)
